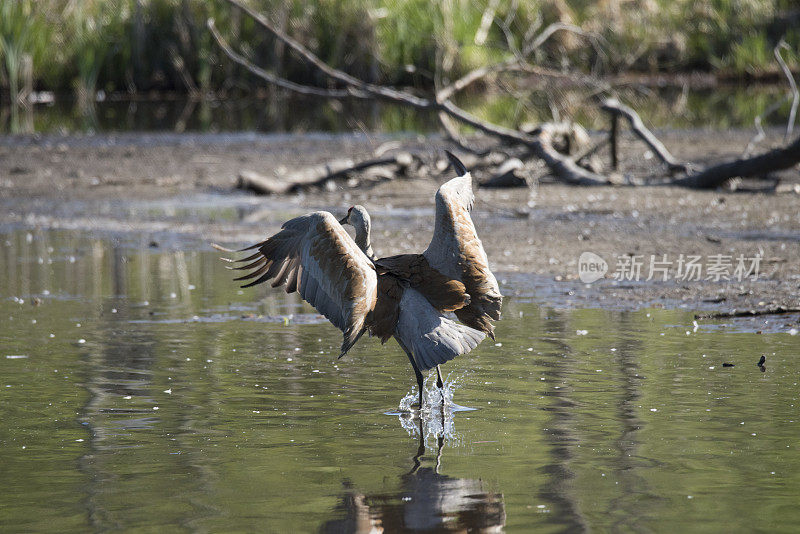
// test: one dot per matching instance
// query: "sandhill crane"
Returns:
(404, 296)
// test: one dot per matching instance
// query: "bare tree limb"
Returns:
(475, 75)
(333, 73)
(774, 160)
(792, 85)
(615, 107)
(271, 78)
(456, 138)
(758, 123)
(548, 32)
(591, 151)
(315, 176)
(563, 166)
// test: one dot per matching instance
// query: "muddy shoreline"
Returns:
(164, 185)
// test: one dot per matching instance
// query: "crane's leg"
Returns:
(417, 372)
(440, 385)
(419, 379)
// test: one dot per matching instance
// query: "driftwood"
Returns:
(321, 175)
(774, 160)
(260, 184)
(711, 177)
(779, 310)
(509, 174)
(563, 166)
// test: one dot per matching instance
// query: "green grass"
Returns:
(130, 45)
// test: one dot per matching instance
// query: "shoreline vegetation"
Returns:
(163, 46)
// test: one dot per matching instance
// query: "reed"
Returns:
(162, 45)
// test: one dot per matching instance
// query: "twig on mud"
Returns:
(778, 310)
(317, 176)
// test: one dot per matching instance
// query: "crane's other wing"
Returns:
(432, 338)
(456, 251)
(445, 294)
(315, 256)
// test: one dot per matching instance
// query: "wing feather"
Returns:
(457, 252)
(431, 338)
(315, 256)
(444, 293)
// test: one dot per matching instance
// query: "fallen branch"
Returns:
(779, 310)
(260, 184)
(591, 151)
(563, 166)
(316, 176)
(509, 174)
(774, 160)
(614, 107)
(271, 78)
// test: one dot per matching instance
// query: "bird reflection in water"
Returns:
(427, 501)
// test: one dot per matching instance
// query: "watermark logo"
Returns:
(591, 267)
(683, 268)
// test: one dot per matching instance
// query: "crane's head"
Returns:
(357, 217)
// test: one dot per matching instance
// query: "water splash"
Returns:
(435, 420)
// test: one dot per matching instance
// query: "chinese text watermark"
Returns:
(663, 267)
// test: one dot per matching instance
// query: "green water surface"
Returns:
(142, 391)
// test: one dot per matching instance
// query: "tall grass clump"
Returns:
(21, 41)
(137, 46)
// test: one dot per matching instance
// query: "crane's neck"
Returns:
(363, 239)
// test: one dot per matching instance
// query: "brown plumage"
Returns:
(445, 294)
(404, 296)
(383, 319)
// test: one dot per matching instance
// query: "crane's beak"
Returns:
(459, 167)
(344, 220)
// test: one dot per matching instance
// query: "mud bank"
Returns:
(173, 187)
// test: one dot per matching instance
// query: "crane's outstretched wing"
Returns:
(457, 252)
(315, 256)
(431, 338)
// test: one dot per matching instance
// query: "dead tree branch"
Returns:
(271, 78)
(774, 160)
(792, 85)
(317, 176)
(615, 108)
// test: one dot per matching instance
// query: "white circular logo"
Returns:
(591, 267)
